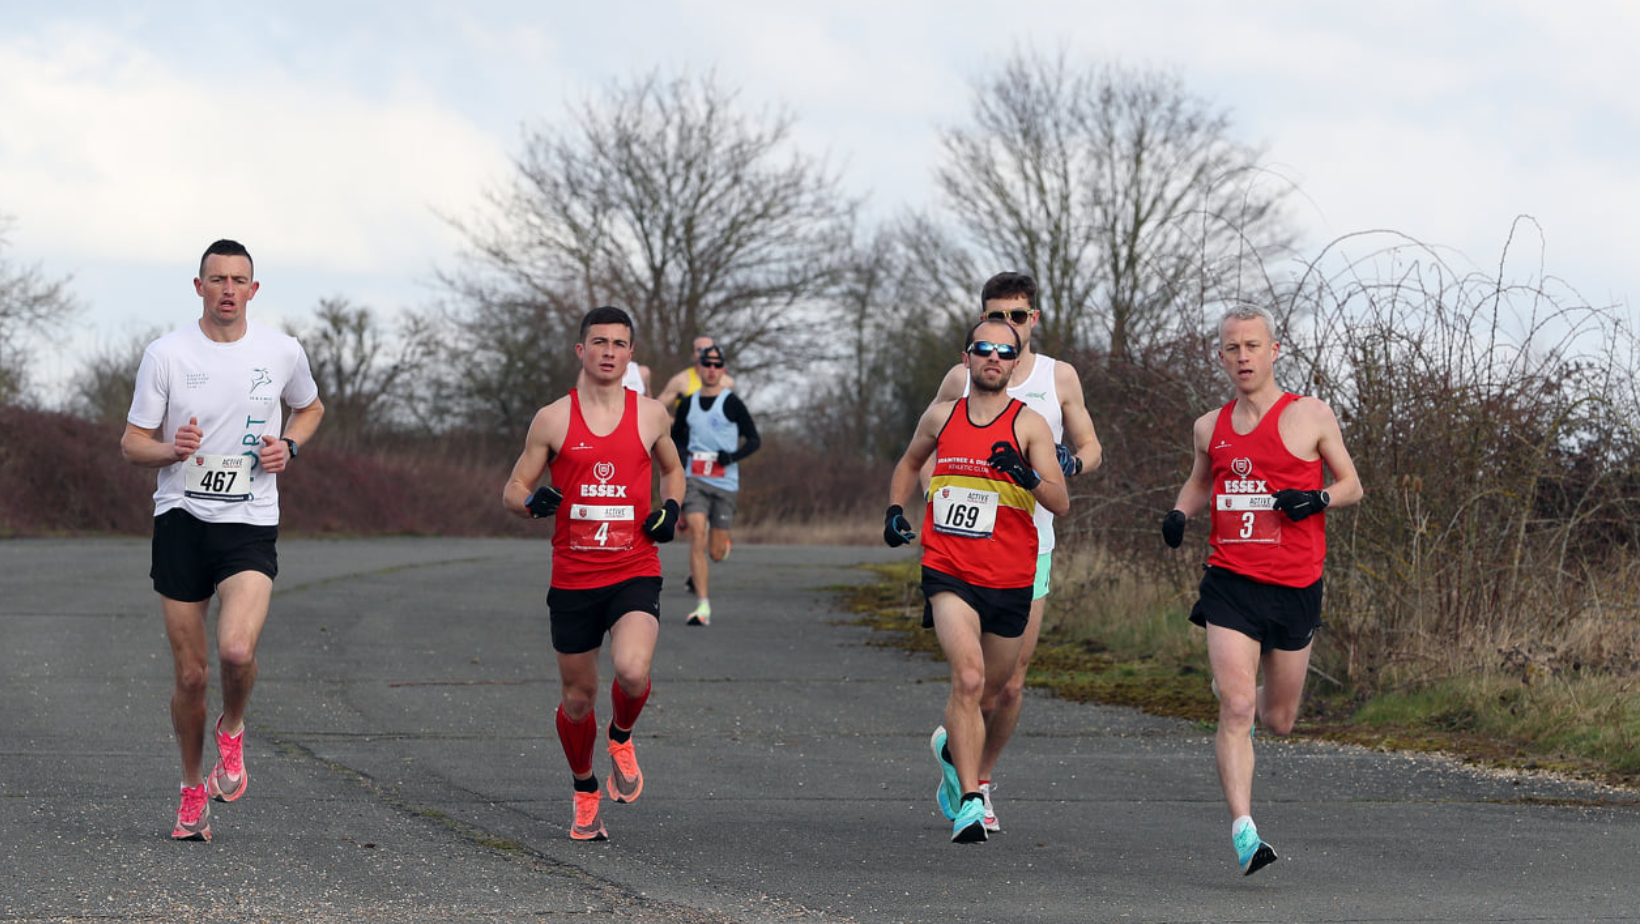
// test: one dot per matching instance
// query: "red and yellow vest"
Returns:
(978, 526)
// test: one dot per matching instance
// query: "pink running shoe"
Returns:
(193, 816)
(228, 778)
(625, 779)
(588, 826)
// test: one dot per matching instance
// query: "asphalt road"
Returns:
(404, 767)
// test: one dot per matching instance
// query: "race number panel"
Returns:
(1246, 518)
(705, 465)
(601, 528)
(965, 512)
(206, 476)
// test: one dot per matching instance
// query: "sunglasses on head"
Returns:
(1017, 315)
(984, 348)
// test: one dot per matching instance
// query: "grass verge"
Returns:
(1586, 727)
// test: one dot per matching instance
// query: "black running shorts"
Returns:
(191, 556)
(1275, 616)
(1003, 613)
(581, 617)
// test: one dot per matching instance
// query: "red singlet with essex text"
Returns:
(979, 525)
(1250, 536)
(598, 537)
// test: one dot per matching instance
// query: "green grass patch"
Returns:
(1114, 641)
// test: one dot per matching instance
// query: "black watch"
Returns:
(291, 443)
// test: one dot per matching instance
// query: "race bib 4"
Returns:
(602, 528)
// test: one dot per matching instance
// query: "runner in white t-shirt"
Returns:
(206, 413)
(1054, 390)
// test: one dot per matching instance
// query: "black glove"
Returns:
(1069, 462)
(1173, 528)
(1298, 504)
(896, 528)
(725, 458)
(662, 524)
(544, 502)
(1007, 460)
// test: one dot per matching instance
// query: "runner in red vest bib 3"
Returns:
(1259, 467)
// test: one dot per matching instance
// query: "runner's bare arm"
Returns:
(664, 452)
(1346, 488)
(1037, 440)
(1198, 487)
(907, 473)
(1079, 432)
(142, 445)
(546, 435)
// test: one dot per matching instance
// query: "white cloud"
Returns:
(111, 153)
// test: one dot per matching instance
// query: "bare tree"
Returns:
(664, 198)
(101, 388)
(360, 367)
(29, 304)
(1120, 191)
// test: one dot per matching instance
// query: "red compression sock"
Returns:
(577, 739)
(627, 707)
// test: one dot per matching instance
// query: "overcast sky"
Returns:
(329, 137)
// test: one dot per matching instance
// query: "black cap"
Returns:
(712, 352)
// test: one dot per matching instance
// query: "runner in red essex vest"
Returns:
(597, 539)
(996, 461)
(1259, 463)
(598, 442)
(1249, 535)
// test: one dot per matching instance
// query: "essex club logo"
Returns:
(259, 378)
(603, 471)
(1242, 483)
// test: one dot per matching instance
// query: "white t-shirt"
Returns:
(234, 390)
(1040, 394)
(633, 378)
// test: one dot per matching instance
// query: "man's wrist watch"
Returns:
(291, 443)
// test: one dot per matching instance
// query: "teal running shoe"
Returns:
(950, 792)
(969, 825)
(1253, 854)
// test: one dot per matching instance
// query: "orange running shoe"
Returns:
(228, 778)
(625, 779)
(588, 826)
(193, 816)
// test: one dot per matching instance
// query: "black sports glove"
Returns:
(1298, 504)
(896, 528)
(1007, 460)
(662, 524)
(725, 458)
(1173, 528)
(1069, 462)
(544, 502)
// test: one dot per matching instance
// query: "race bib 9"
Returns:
(965, 512)
(704, 465)
(217, 478)
(599, 528)
(1246, 518)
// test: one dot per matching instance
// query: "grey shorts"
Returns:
(716, 503)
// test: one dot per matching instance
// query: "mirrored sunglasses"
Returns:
(984, 348)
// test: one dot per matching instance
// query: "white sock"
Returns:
(1236, 826)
